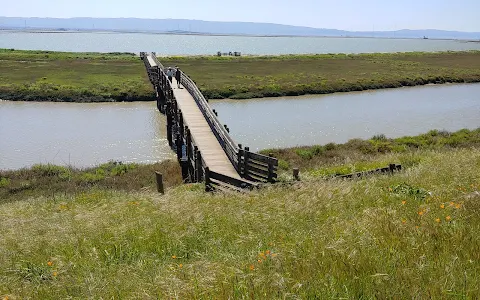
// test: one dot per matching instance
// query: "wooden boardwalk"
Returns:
(212, 153)
(204, 147)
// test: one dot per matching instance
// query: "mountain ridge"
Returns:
(184, 26)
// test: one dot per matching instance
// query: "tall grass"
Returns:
(410, 235)
(54, 181)
(359, 151)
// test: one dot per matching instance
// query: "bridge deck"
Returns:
(212, 153)
(151, 61)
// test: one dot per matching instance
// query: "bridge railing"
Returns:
(155, 59)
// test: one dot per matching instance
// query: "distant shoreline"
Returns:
(39, 31)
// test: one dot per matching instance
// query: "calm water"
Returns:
(196, 45)
(88, 134)
(80, 134)
(307, 120)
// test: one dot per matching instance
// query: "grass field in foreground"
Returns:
(72, 77)
(410, 235)
(249, 77)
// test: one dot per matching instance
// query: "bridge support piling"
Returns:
(184, 166)
(169, 125)
(208, 186)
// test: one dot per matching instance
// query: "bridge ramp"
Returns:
(212, 152)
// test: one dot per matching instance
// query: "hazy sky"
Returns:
(462, 15)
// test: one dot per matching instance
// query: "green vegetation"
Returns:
(92, 77)
(72, 77)
(51, 180)
(413, 233)
(292, 75)
(357, 155)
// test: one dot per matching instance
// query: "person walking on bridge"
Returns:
(170, 74)
(178, 77)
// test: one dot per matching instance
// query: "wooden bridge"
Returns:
(203, 145)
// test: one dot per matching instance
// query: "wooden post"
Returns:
(245, 161)
(198, 165)
(270, 170)
(188, 141)
(296, 173)
(169, 125)
(159, 179)
(239, 159)
(392, 167)
(208, 187)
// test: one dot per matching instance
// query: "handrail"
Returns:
(155, 59)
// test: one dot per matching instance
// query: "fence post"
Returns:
(159, 179)
(270, 170)
(198, 165)
(245, 161)
(392, 167)
(296, 173)
(239, 159)
(208, 187)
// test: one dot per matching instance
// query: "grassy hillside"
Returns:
(249, 77)
(414, 234)
(72, 77)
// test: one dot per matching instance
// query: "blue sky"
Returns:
(462, 15)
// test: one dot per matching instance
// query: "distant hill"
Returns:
(209, 27)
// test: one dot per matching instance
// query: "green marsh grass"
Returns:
(357, 155)
(292, 75)
(73, 77)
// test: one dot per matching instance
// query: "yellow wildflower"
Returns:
(404, 221)
(174, 256)
(420, 213)
(448, 218)
(180, 266)
(252, 267)
(267, 252)
(55, 274)
(404, 202)
(442, 206)
(437, 220)
(458, 205)
(50, 263)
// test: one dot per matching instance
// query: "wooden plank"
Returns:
(261, 165)
(263, 158)
(260, 172)
(230, 180)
